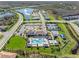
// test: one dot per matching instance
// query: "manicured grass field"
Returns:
(16, 42)
(51, 17)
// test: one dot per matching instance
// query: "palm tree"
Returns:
(37, 47)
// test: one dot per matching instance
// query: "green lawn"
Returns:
(51, 17)
(61, 32)
(16, 42)
(60, 18)
(71, 44)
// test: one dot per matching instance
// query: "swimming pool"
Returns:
(37, 41)
(34, 42)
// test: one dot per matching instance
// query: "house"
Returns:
(6, 15)
(6, 18)
(41, 32)
(53, 42)
(46, 16)
(62, 35)
(52, 26)
(36, 18)
(31, 33)
(2, 28)
(55, 33)
(71, 17)
(4, 54)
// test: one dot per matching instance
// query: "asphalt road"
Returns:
(8, 34)
(42, 19)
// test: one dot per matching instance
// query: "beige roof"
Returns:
(4, 54)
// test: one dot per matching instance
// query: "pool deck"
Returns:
(41, 42)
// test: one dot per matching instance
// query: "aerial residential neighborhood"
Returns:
(39, 29)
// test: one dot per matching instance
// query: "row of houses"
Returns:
(41, 32)
(45, 15)
(5, 19)
(35, 15)
(71, 17)
(67, 14)
(6, 16)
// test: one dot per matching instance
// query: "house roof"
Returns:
(41, 32)
(4, 54)
(55, 33)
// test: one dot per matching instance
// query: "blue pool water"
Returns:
(37, 41)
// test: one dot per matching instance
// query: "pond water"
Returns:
(26, 12)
